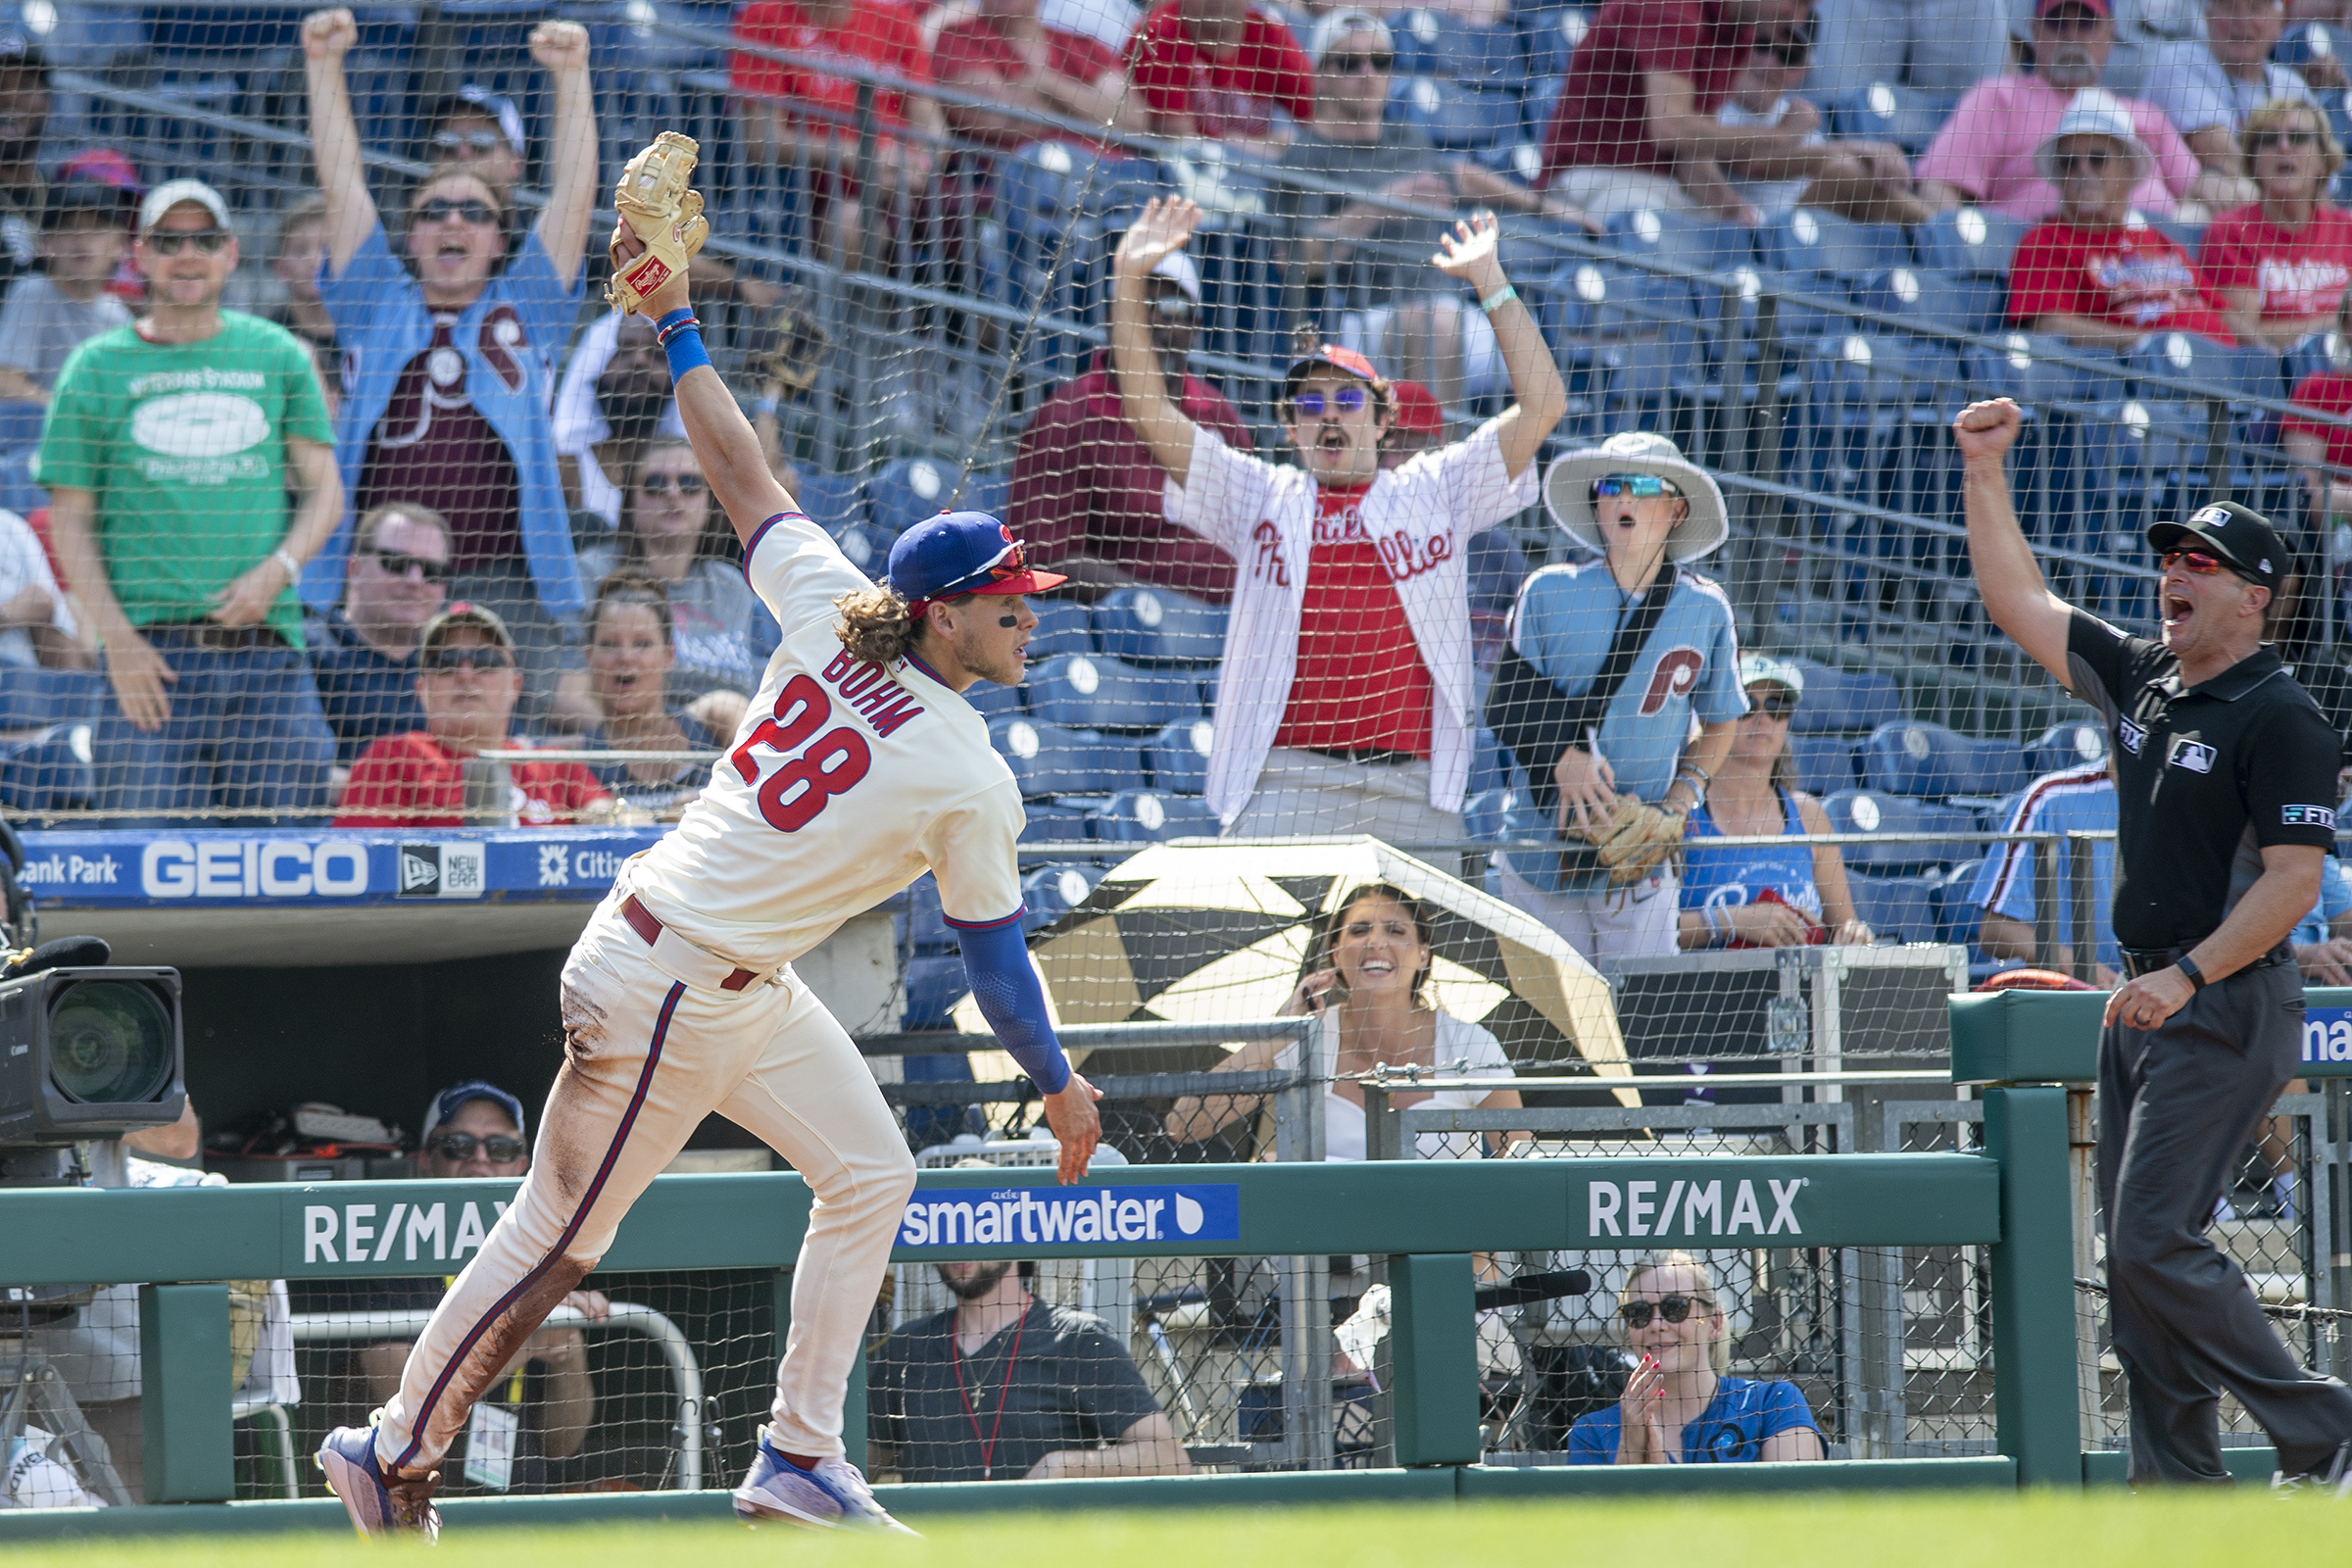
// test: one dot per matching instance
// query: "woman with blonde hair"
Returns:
(1681, 1403)
(2279, 265)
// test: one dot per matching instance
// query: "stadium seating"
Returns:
(1136, 815)
(1842, 701)
(1064, 626)
(2069, 743)
(1047, 759)
(1548, 35)
(1177, 758)
(1053, 891)
(1865, 810)
(49, 771)
(934, 982)
(2245, 371)
(1930, 762)
(1683, 239)
(1973, 241)
(1807, 241)
(1057, 822)
(1452, 116)
(922, 924)
(35, 699)
(1886, 112)
(1950, 302)
(1083, 692)
(1431, 43)
(1159, 627)
(1957, 917)
(1823, 764)
(910, 490)
(1899, 907)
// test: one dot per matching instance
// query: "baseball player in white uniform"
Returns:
(859, 767)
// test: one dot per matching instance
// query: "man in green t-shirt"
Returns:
(167, 454)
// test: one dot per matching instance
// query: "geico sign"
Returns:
(253, 869)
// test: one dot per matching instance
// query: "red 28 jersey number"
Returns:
(795, 794)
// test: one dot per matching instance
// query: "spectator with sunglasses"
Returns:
(633, 651)
(1767, 896)
(1988, 151)
(434, 777)
(2279, 265)
(452, 344)
(474, 1131)
(363, 650)
(1868, 182)
(169, 453)
(1086, 490)
(2090, 274)
(1681, 1404)
(1347, 700)
(671, 533)
(2209, 88)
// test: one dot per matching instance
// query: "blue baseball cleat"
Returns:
(832, 1496)
(378, 1506)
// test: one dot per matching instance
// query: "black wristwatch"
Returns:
(2188, 967)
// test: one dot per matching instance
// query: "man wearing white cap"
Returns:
(1610, 663)
(2088, 274)
(167, 454)
(1085, 491)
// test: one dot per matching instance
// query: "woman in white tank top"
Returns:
(1372, 1000)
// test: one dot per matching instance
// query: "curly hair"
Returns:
(874, 625)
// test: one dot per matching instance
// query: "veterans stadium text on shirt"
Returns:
(1029, 1216)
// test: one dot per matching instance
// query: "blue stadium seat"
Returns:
(1898, 907)
(1177, 758)
(35, 699)
(1064, 626)
(1957, 917)
(1948, 300)
(2315, 355)
(934, 982)
(1592, 299)
(1047, 759)
(2209, 366)
(2021, 369)
(1807, 241)
(1857, 368)
(1139, 815)
(1863, 811)
(910, 490)
(1822, 763)
(1430, 43)
(21, 424)
(18, 492)
(1839, 700)
(923, 924)
(992, 701)
(1053, 891)
(1548, 35)
(49, 771)
(1097, 691)
(1885, 111)
(1974, 241)
(1453, 115)
(1061, 821)
(867, 549)
(1930, 762)
(1687, 239)
(1646, 380)
(2068, 744)
(1159, 626)
(1803, 304)
(833, 500)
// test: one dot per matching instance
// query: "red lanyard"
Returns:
(988, 1444)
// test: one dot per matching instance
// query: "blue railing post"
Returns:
(2038, 1418)
(185, 1427)
(1432, 1333)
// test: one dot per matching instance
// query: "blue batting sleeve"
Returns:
(995, 960)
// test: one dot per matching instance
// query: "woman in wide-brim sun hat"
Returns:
(1568, 492)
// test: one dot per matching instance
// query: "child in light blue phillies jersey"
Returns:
(1646, 512)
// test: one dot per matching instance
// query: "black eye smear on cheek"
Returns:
(1009, 622)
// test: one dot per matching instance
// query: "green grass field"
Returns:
(1828, 1532)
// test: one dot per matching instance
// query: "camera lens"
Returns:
(109, 1042)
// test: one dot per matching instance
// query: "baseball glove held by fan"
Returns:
(1635, 841)
(664, 212)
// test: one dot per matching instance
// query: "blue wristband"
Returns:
(683, 343)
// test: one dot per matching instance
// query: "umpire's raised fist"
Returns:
(1987, 430)
(328, 34)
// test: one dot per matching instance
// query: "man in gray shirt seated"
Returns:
(1002, 1386)
(85, 232)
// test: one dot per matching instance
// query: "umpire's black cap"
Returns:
(2242, 536)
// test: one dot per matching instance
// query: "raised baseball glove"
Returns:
(1635, 840)
(664, 212)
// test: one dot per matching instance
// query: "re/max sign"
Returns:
(1692, 1207)
(413, 1232)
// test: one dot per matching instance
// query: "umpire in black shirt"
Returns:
(2225, 806)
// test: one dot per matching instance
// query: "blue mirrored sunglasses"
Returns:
(1309, 405)
(1633, 484)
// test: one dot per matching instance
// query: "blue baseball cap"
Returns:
(447, 1103)
(961, 553)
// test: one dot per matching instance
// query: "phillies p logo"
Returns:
(1677, 672)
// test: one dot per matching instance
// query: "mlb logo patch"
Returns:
(2195, 756)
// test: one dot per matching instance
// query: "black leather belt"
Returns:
(216, 637)
(1372, 754)
(2148, 960)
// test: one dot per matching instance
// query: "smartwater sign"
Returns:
(2327, 1034)
(1032, 1215)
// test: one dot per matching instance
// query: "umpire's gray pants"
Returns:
(2177, 1105)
